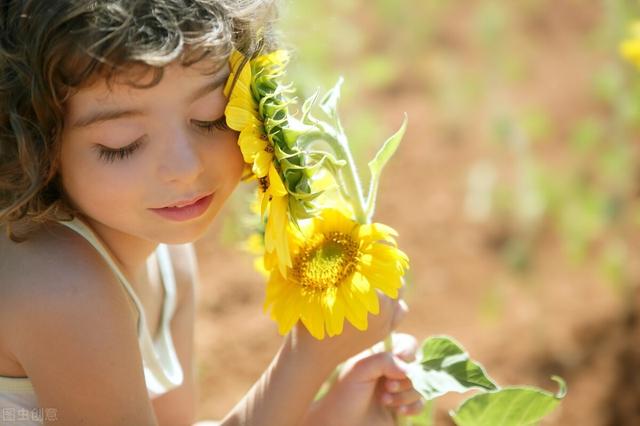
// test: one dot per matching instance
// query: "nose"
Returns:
(181, 160)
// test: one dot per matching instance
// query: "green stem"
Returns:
(388, 347)
(388, 343)
(353, 187)
(349, 176)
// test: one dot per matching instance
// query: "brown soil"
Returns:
(557, 317)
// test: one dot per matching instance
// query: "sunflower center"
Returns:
(326, 261)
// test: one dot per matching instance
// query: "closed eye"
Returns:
(210, 126)
(110, 155)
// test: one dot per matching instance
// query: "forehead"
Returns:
(140, 80)
(142, 85)
(140, 91)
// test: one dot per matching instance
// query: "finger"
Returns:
(399, 399)
(394, 386)
(405, 346)
(378, 365)
(411, 409)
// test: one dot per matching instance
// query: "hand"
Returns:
(334, 350)
(369, 388)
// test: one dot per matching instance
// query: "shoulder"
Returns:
(57, 279)
(70, 307)
(54, 266)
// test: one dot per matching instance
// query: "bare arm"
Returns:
(284, 393)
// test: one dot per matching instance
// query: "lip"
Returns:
(189, 209)
(186, 202)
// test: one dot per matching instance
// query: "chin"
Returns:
(184, 236)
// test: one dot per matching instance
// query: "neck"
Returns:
(130, 252)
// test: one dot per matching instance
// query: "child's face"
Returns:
(177, 151)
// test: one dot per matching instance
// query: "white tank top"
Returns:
(162, 370)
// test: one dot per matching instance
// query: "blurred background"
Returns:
(515, 191)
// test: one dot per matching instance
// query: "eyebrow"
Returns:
(114, 114)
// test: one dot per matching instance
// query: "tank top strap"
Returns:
(83, 229)
(161, 365)
(169, 282)
(171, 374)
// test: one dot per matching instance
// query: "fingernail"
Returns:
(387, 399)
(393, 386)
(403, 409)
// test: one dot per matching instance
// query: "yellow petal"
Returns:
(365, 292)
(276, 187)
(291, 314)
(263, 199)
(333, 220)
(359, 283)
(276, 235)
(242, 85)
(388, 283)
(377, 232)
(285, 302)
(251, 144)
(335, 322)
(242, 95)
(238, 118)
(262, 162)
(333, 311)
(385, 253)
(270, 261)
(276, 58)
(312, 317)
(275, 290)
(355, 311)
(236, 59)
(372, 301)
(278, 213)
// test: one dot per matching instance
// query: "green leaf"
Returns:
(443, 366)
(513, 406)
(306, 106)
(329, 103)
(379, 161)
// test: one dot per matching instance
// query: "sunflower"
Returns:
(274, 196)
(337, 266)
(243, 113)
(243, 116)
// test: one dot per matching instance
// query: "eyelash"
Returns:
(210, 126)
(110, 155)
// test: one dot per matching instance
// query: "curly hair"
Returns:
(48, 49)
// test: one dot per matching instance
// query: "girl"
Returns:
(114, 153)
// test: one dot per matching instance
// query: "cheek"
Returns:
(92, 186)
(228, 160)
